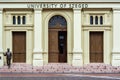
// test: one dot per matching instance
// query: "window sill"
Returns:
(96, 25)
(26, 25)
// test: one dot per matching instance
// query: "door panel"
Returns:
(57, 45)
(53, 46)
(62, 39)
(19, 46)
(96, 46)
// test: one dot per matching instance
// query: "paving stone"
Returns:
(61, 68)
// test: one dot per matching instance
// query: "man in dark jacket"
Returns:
(8, 55)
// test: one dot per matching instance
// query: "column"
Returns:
(116, 38)
(1, 37)
(16, 17)
(107, 46)
(29, 47)
(86, 46)
(37, 52)
(98, 19)
(21, 19)
(93, 19)
(77, 51)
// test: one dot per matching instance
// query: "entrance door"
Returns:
(57, 39)
(53, 46)
(96, 47)
(19, 46)
(57, 46)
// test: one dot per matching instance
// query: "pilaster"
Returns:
(37, 52)
(107, 46)
(116, 38)
(77, 51)
(1, 37)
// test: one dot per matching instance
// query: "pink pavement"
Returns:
(60, 68)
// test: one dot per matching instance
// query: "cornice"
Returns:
(116, 9)
(59, 0)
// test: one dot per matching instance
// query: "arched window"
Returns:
(14, 20)
(18, 19)
(101, 20)
(23, 20)
(57, 20)
(96, 19)
(91, 20)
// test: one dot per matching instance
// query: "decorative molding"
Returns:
(116, 9)
(96, 25)
(18, 9)
(1, 10)
(18, 28)
(77, 9)
(59, 1)
(97, 28)
(39, 9)
(30, 25)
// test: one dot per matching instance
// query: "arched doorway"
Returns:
(57, 39)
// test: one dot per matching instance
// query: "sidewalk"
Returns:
(51, 76)
(61, 68)
(60, 71)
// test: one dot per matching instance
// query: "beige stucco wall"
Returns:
(106, 28)
(46, 15)
(111, 28)
(8, 28)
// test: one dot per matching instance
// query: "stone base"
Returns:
(77, 62)
(77, 59)
(37, 62)
(1, 59)
(37, 59)
(116, 59)
(115, 62)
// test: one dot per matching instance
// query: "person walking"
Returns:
(8, 55)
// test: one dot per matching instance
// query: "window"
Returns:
(57, 20)
(91, 19)
(14, 20)
(96, 19)
(101, 20)
(23, 20)
(18, 19)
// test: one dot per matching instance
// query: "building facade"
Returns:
(76, 32)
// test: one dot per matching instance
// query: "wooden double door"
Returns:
(19, 46)
(96, 47)
(57, 46)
